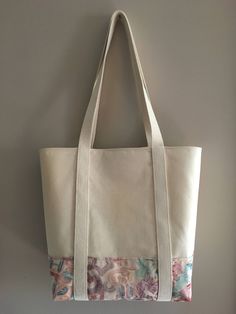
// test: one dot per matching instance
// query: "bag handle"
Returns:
(152, 129)
(155, 142)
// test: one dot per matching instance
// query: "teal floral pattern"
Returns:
(121, 278)
(182, 277)
(61, 270)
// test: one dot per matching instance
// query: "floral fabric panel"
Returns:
(121, 278)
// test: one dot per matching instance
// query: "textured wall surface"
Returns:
(48, 60)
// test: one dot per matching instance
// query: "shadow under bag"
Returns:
(120, 222)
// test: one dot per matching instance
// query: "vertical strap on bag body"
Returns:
(155, 141)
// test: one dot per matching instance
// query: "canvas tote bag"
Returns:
(120, 222)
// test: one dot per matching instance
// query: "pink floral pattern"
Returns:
(121, 278)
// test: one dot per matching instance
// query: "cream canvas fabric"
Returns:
(109, 208)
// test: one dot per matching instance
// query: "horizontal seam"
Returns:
(120, 257)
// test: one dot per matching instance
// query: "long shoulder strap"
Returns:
(155, 141)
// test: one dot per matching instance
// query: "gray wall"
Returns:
(48, 59)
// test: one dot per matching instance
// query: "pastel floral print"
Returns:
(121, 278)
(62, 272)
(182, 275)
